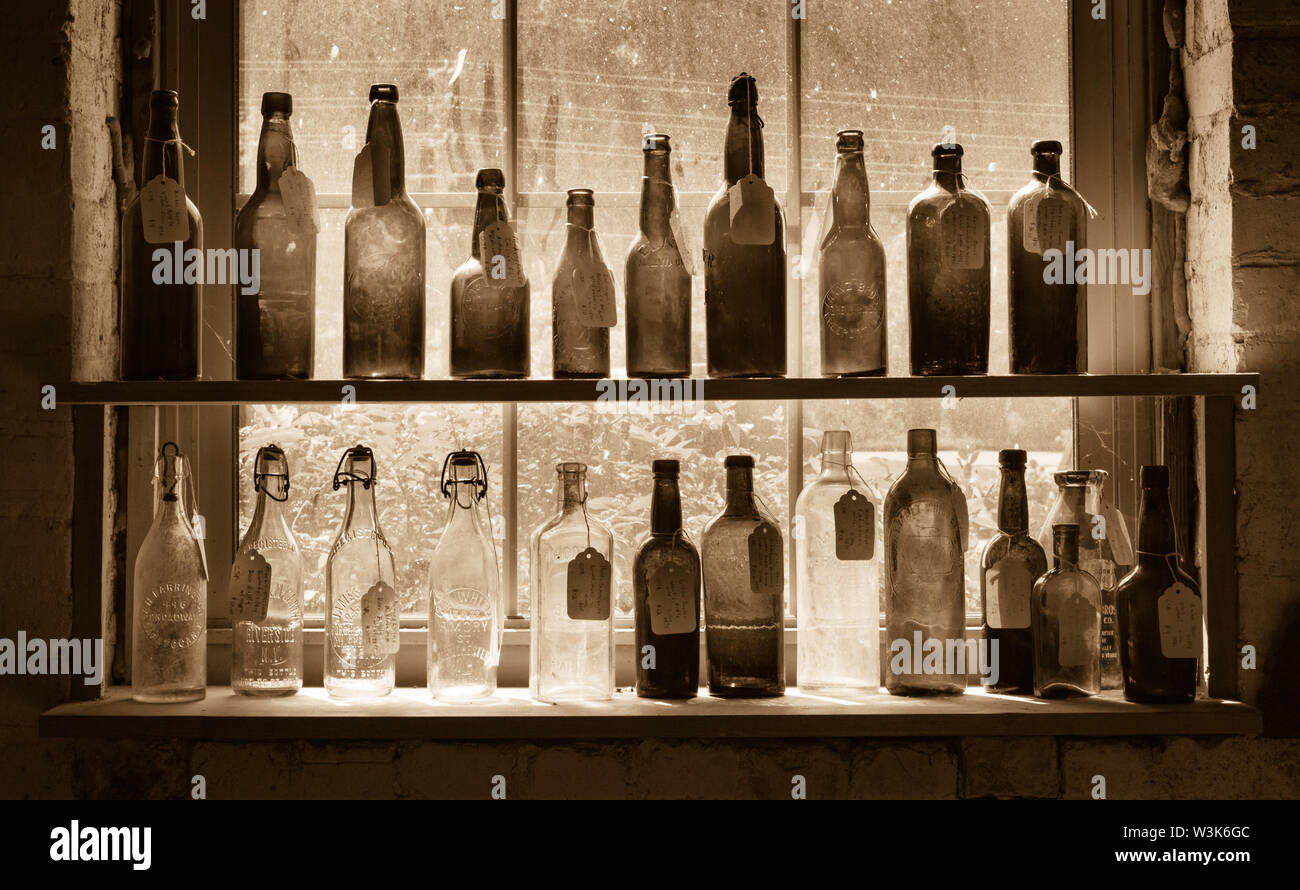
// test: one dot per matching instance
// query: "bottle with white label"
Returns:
(362, 609)
(1066, 615)
(837, 560)
(572, 570)
(1012, 562)
(583, 306)
(266, 589)
(1160, 620)
(170, 598)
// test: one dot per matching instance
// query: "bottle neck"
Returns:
(1013, 503)
(1047, 165)
(581, 219)
(488, 209)
(275, 152)
(947, 173)
(835, 464)
(743, 150)
(361, 513)
(462, 512)
(384, 124)
(1156, 537)
(740, 489)
(665, 507)
(268, 513)
(162, 147)
(922, 460)
(1065, 552)
(572, 494)
(850, 199)
(656, 196)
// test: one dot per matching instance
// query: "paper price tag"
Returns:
(1047, 222)
(1007, 584)
(753, 211)
(1179, 613)
(593, 291)
(963, 234)
(371, 186)
(855, 526)
(379, 620)
(1077, 627)
(502, 265)
(766, 566)
(589, 589)
(163, 212)
(681, 241)
(250, 587)
(299, 197)
(672, 598)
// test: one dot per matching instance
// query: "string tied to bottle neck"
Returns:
(175, 139)
(1064, 186)
(1171, 559)
(959, 181)
(850, 471)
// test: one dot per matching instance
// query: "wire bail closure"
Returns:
(341, 477)
(276, 453)
(480, 484)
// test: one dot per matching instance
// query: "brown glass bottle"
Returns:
(1159, 613)
(160, 323)
(578, 347)
(658, 287)
(744, 284)
(948, 272)
(1066, 607)
(1048, 323)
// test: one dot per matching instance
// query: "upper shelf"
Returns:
(252, 392)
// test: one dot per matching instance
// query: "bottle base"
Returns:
(267, 692)
(668, 694)
(766, 691)
(357, 691)
(1063, 690)
(840, 690)
(922, 691)
(489, 375)
(878, 372)
(1159, 699)
(170, 696)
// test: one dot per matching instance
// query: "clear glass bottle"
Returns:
(275, 327)
(658, 287)
(1047, 323)
(1160, 612)
(160, 323)
(851, 272)
(666, 595)
(948, 287)
(837, 560)
(743, 559)
(267, 656)
(360, 664)
(466, 614)
(1067, 623)
(489, 318)
(925, 581)
(169, 645)
(744, 284)
(578, 348)
(572, 656)
(383, 260)
(1012, 563)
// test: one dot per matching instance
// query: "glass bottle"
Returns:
(1105, 550)
(925, 583)
(489, 318)
(360, 581)
(666, 593)
(744, 284)
(948, 272)
(169, 646)
(851, 272)
(1048, 323)
(267, 656)
(578, 347)
(572, 654)
(658, 285)
(744, 591)
(1012, 562)
(383, 258)
(466, 614)
(160, 323)
(837, 561)
(1161, 622)
(275, 327)
(1067, 623)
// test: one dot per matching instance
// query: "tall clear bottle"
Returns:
(851, 272)
(383, 255)
(572, 556)
(744, 253)
(582, 283)
(743, 560)
(266, 589)
(169, 645)
(362, 611)
(1012, 562)
(1067, 623)
(275, 327)
(948, 283)
(837, 561)
(466, 614)
(925, 584)
(658, 280)
(160, 323)
(490, 294)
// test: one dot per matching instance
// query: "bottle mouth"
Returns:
(1046, 147)
(581, 198)
(571, 468)
(656, 142)
(276, 103)
(667, 468)
(490, 178)
(1012, 458)
(383, 92)
(739, 462)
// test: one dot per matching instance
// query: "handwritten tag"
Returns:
(1179, 613)
(1007, 584)
(250, 587)
(766, 564)
(299, 197)
(963, 234)
(1077, 630)
(589, 589)
(1047, 222)
(379, 620)
(371, 186)
(502, 265)
(753, 211)
(855, 526)
(671, 598)
(963, 516)
(163, 212)
(680, 240)
(593, 291)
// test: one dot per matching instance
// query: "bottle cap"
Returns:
(1046, 146)
(655, 142)
(1012, 458)
(276, 102)
(922, 442)
(739, 461)
(490, 178)
(570, 468)
(947, 150)
(742, 89)
(667, 468)
(386, 92)
(583, 197)
(1155, 476)
(849, 140)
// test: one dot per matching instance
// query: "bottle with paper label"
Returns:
(1012, 563)
(161, 231)
(666, 596)
(1066, 616)
(266, 589)
(275, 325)
(948, 272)
(851, 272)
(383, 255)
(1160, 617)
(490, 293)
(170, 598)
(573, 583)
(658, 276)
(362, 609)
(583, 304)
(744, 253)
(1048, 323)
(743, 559)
